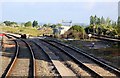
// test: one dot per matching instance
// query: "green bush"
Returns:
(75, 32)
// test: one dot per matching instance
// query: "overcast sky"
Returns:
(53, 11)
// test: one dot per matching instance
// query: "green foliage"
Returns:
(118, 26)
(91, 20)
(13, 23)
(98, 21)
(28, 24)
(77, 28)
(89, 29)
(103, 26)
(76, 32)
(9, 23)
(118, 22)
(35, 23)
(114, 24)
(45, 25)
(53, 26)
(102, 20)
(108, 21)
(94, 20)
(59, 25)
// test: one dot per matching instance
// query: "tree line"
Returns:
(27, 24)
(98, 25)
(31, 24)
(102, 26)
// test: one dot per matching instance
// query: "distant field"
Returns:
(26, 30)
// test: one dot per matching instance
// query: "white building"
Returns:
(66, 25)
(63, 29)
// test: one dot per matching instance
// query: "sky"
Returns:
(54, 11)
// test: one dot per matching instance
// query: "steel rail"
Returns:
(12, 62)
(32, 61)
(47, 55)
(98, 61)
(94, 74)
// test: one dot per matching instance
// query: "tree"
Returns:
(77, 28)
(91, 20)
(114, 24)
(102, 20)
(53, 26)
(98, 21)
(45, 25)
(118, 21)
(13, 23)
(95, 19)
(118, 25)
(8, 23)
(108, 21)
(59, 25)
(76, 32)
(35, 23)
(28, 24)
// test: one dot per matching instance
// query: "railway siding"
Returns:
(21, 67)
(97, 60)
(87, 62)
(79, 57)
(6, 54)
(42, 61)
(67, 61)
(22, 64)
(63, 71)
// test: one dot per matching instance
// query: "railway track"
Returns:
(60, 68)
(44, 66)
(83, 52)
(16, 63)
(68, 62)
(106, 38)
(73, 52)
(89, 63)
